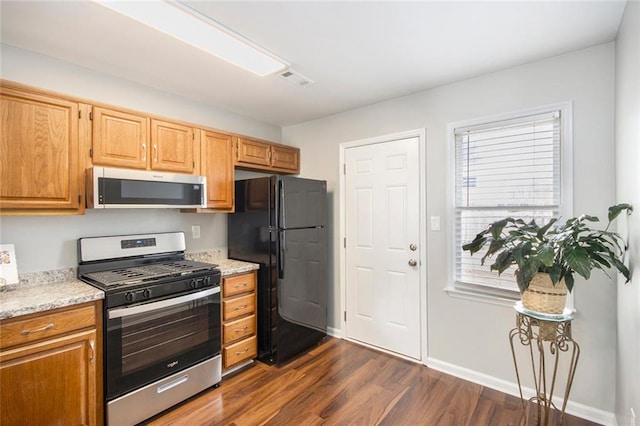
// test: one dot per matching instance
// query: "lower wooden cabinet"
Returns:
(50, 366)
(239, 341)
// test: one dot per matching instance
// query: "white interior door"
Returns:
(382, 253)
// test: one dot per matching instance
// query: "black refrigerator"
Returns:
(280, 222)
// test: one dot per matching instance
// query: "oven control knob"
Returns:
(146, 293)
(194, 283)
(207, 281)
(129, 296)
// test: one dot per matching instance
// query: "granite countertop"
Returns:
(43, 291)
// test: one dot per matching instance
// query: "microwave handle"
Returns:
(153, 306)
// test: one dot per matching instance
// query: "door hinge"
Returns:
(91, 116)
(344, 242)
(237, 149)
(345, 316)
(79, 114)
(79, 198)
(91, 152)
(344, 169)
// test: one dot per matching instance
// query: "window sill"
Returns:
(495, 299)
(466, 294)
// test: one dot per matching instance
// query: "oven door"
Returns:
(149, 341)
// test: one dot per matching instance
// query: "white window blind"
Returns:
(504, 168)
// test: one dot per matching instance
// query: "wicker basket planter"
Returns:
(544, 297)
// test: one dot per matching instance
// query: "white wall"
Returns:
(628, 191)
(470, 334)
(49, 242)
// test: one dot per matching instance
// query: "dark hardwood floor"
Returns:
(341, 383)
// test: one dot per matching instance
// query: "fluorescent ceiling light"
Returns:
(186, 24)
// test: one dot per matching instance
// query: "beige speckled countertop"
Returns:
(43, 291)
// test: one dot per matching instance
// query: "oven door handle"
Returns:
(153, 306)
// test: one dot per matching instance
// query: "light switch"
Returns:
(435, 223)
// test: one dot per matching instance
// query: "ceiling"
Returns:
(357, 53)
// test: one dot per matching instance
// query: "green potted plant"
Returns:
(548, 257)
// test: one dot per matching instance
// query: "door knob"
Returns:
(412, 262)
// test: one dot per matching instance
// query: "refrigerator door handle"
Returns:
(282, 247)
(283, 221)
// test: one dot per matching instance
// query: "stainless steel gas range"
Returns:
(161, 322)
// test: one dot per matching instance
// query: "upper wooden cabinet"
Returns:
(216, 163)
(261, 155)
(172, 147)
(129, 140)
(41, 166)
(120, 139)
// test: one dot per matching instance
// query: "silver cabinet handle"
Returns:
(93, 350)
(412, 262)
(144, 152)
(45, 328)
(155, 153)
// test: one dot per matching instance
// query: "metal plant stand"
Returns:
(546, 336)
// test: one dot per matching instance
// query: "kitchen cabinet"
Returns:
(50, 367)
(214, 159)
(172, 147)
(239, 320)
(42, 138)
(132, 140)
(267, 156)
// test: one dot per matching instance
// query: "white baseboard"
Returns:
(334, 332)
(573, 408)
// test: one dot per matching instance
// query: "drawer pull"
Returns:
(242, 352)
(241, 329)
(240, 285)
(237, 308)
(45, 328)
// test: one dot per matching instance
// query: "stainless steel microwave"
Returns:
(125, 188)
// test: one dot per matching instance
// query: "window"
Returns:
(516, 166)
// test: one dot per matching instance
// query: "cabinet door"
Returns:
(253, 152)
(217, 165)
(50, 383)
(172, 147)
(285, 157)
(40, 162)
(120, 139)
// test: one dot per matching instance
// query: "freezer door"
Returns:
(302, 203)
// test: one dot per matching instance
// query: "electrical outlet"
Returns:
(435, 223)
(195, 231)
(632, 422)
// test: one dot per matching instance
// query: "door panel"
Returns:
(382, 221)
(302, 202)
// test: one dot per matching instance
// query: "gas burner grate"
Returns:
(150, 272)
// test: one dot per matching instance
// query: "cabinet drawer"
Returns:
(241, 351)
(238, 329)
(238, 284)
(21, 330)
(238, 306)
